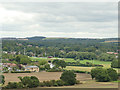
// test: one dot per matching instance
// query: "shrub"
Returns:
(102, 77)
(47, 83)
(115, 64)
(59, 63)
(20, 85)
(68, 77)
(2, 79)
(113, 74)
(41, 84)
(29, 81)
(35, 81)
(47, 66)
(60, 83)
(12, 85)
(95, 71)
(53, 82)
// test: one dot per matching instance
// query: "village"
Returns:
(9, 67)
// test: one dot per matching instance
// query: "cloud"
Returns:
(59, 19)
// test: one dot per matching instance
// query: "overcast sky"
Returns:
(52, 19)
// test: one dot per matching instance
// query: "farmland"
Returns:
(44, 76)
(79, 55)
(106, 64)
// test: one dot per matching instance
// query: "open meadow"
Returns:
(104, 63)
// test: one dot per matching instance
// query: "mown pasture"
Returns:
(106, 64)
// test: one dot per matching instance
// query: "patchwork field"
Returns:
(105, 64)
(79, 68)
(43, 76)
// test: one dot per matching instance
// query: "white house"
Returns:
(51, 65)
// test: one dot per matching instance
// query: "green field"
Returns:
(105, 64)
(37, 58)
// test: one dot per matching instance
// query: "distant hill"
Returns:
(59, 39)
(35, 38)
(27, 38)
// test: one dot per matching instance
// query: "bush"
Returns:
(115, 64)
(104, 75)
(35, 81)
(12, 85)
(29, 81)
(47, 66)
(60, 83)
(20, 85)
(68, 77)
(95, 71)
(47, 83)
(41, 84)
(113, 74)
(53, 83)
(2, 81)
(59, 63)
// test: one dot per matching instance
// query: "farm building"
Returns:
(32, 68)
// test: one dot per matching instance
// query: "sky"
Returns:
(59, 19)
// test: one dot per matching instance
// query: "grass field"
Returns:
(105, 64)
(85, 79)
(79, 68)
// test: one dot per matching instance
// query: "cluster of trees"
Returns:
(58, 47)
(59, 63)
(81, 55)
(17, 59)
(104, 75)
(87, 64)
(115, 64)
(67, 78)
(106, 57)
(43, 65)
(26, 82)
